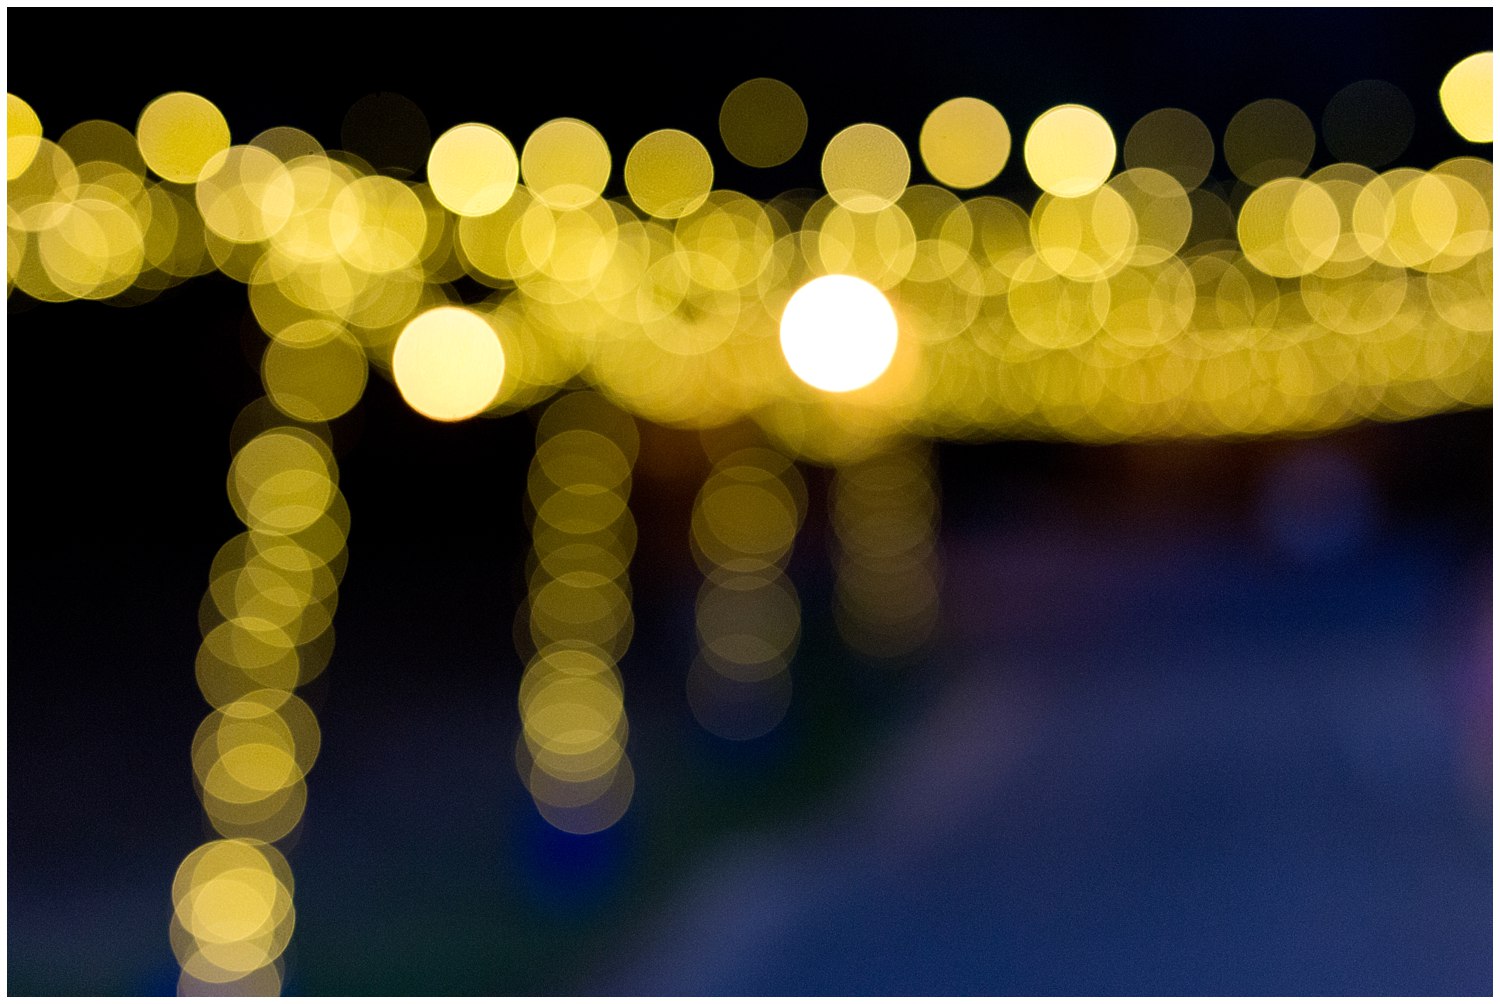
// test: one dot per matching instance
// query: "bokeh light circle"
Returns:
(179, 133)
(1269, 139)
(1369, 122)
(23, 132)
(763, 123)
(473, 169)
(1070, 151)
(866, 168)
(448, 363)
(1468, 97)
(668, 173)
(965, 142)
(1174, 141)
(565, 163)
(838, 333)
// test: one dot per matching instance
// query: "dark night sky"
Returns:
(421, 866)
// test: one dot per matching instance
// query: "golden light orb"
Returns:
(668, 173)
(1468, 97)
(1070, 151)
(1173, 141)
(448, 364)
(965, 142)
(179, 133)
(566, 163)
(473, 169)
(838, 333)
(866, 168)
(23, 134)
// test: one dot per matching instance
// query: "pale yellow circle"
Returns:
(965, 142)
(866, 168)
(23, 132)
(838, 333)
(763, 122)
(245, 194)
(565, 163)
(1468, 97)
(281, 482)
(668, 173)
(472, 169)
(315, 383)
(1288, 227)
(179, 133)
(1087, 237)
(448, 363)
(1070, 151)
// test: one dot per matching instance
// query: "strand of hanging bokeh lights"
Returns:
(577, 616)
(748, 617)
(884, 512)
(267, 621)
(1148, 302)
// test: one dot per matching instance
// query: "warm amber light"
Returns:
(668, 173)
(1070, 151)
(23, 130)
(866, 167)
(473, 169)
(179, 133)
(965, 142)
(1468, 97)
(448, 364)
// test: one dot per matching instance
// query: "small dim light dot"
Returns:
(763, 122)
(1368, 122)
(448, 364)
(838, 333)
(1468, 97)
(1173, 141)
(1269, 139)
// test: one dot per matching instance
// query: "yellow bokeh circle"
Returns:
(179, 133)
(448, 363)
(668, 173)
(1070, 151)
(566, 163)
(1468, 97)
(965, 142)
(866, 168)
(473, 169)
(23, 134)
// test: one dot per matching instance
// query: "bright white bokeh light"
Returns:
(448, 363)
(838, 333)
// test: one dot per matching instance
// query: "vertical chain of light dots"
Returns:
(267, 621)
(578, 619)
(745, 521)
(885, 511)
